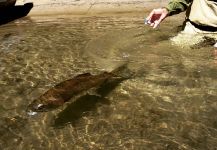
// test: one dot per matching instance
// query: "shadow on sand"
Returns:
(74, 111)
(14, 12)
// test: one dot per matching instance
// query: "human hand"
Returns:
(156, 17)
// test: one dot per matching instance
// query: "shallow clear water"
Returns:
(171, 103)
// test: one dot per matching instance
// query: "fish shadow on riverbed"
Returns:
(74, 111)
(14, 12)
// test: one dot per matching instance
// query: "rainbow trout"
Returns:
(65, 90)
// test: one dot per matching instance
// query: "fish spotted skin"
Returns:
(65, 90)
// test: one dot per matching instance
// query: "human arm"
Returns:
(177, 6)
(174, 7)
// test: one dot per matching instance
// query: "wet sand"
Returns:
(86, 7)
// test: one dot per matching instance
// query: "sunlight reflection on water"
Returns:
(170, 104)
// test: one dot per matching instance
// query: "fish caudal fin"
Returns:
(123, 71)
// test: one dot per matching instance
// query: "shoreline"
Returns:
(90, 7)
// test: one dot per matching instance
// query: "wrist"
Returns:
(166, 10)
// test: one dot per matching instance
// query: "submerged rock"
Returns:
(205, 42)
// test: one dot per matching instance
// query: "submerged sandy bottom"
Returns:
(170, 104)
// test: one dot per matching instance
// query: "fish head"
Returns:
(35, 107)
(38, 106)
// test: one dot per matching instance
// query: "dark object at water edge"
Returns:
(205, 42)
(9, 12)
(7, 4)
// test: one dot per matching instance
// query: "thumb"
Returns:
(150, 15)
(162, 17)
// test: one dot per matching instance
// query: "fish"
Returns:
(64, 91)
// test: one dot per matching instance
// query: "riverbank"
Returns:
(88, 7)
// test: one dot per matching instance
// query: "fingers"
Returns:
(154, 23)
(150, 15)
(153, 18)
(157, 22)
(156, 17)
(162, 17)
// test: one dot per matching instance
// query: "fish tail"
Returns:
(123, 71)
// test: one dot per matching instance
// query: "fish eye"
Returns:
(40, 107)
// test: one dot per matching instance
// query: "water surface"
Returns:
(170, 104)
